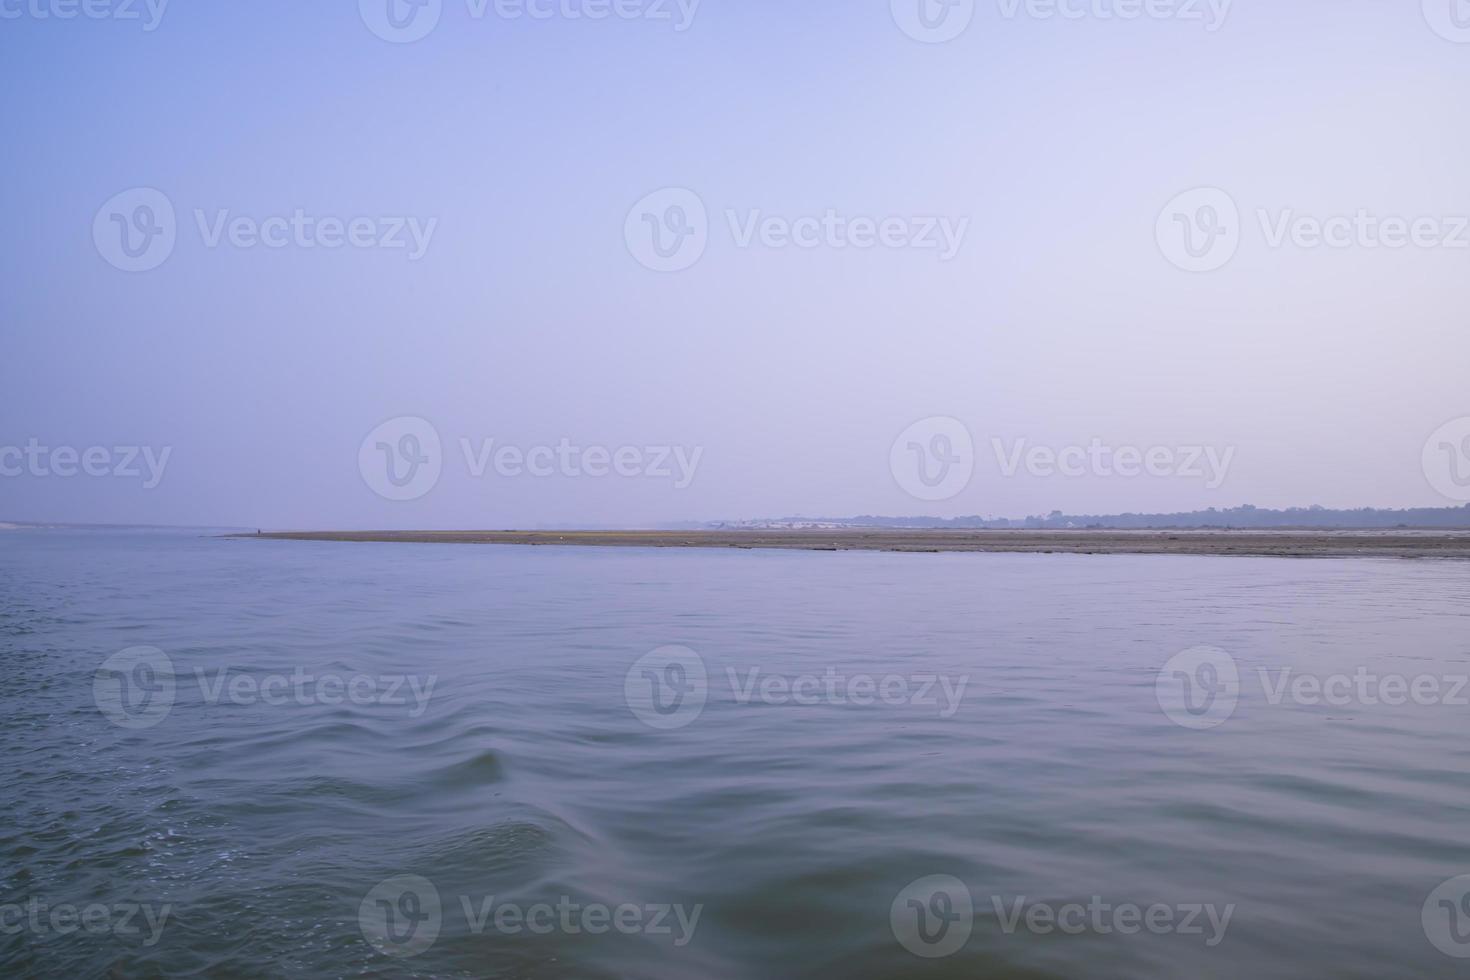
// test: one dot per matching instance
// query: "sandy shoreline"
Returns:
(1284, 543)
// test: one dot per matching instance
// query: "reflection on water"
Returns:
(322, 759)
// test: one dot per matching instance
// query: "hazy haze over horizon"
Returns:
(783, 373)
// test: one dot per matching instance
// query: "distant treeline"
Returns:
(1234, 517)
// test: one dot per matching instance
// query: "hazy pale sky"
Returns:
(746, 245)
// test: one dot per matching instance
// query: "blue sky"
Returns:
(529, 319)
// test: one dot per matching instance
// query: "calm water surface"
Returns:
(291, 829)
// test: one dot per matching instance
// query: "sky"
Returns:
(525, 263)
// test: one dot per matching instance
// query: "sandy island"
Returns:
(1283, 543)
